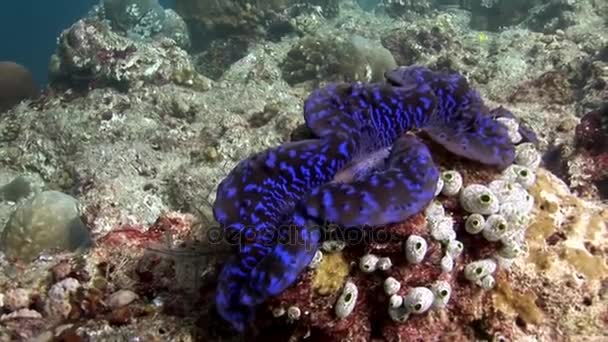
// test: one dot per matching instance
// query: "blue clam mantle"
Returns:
(277, 200)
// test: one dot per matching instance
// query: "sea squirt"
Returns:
(276, 202)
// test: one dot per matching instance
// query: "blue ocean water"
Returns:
(31, 28)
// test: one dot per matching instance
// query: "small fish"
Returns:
(482, 37)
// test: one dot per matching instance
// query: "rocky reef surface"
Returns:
(108, 178)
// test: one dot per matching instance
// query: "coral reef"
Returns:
(220, 55)
(462, 312)
(538, 15)
(409, 46)
(351, 121)
(491, 15)
(142, 17)
(50, 220)
(16, 85)
(335, 58)
(400, 8)
(252, 18)
(90, 54)
(143, 20)
(137, 155)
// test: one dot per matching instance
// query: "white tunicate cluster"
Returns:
(294, 313)
(527, 155)
(434, 210)
(505, 190)
(278, 312)
(442, 291)
(495, 228)
(442, 228)
(487, 282)
(391, 286)
(479, 199)
(516, 206)
(503, 263)
(499, 211)
(518, 213)
(347, 300)
(400, 313)
(452, 183)
(454, 248)
(415, 249)
(419, 300)
(513, 246)
(384, 264)
(395, 301)
(509, 223)
(513, 129)
(368, 263)
(316, 260)
(439, 188)
(477, 271)
(475, 223)
(519, 174)
(447, 264)
(515, 202)
(333, 246)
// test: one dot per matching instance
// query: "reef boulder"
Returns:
(16, 85)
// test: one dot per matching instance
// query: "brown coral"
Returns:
(16, 85)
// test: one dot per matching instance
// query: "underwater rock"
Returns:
(550, 16)
(21, 187)
(409, 45)
(334, 58)
(174, 27)
(143, 20)
(399, 8)
(121, 298)
(550, 87)
(16, 85)
(134, 17)
(491, 15)
(368, 5)
(49, 221)
(220, 55)
(588, 163)
(536, 15)
(209, 19)
(91, 55)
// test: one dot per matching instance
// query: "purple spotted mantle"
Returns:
(277, 201)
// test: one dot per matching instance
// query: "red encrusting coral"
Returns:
(137, 236)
